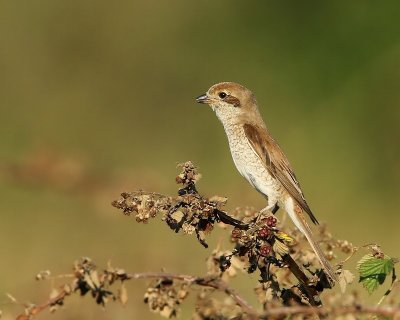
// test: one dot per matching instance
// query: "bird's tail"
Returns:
(296, 214)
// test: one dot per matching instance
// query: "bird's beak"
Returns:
(202, 99)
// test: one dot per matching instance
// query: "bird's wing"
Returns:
(276, 163)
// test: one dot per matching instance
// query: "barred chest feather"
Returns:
(251, 167)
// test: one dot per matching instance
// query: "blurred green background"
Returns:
(97, 97)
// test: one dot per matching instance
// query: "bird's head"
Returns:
(231, 102)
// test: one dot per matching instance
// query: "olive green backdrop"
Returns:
(97, 97)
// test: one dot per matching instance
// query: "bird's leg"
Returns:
(275, 208)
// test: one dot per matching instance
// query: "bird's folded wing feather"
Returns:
(276, 163)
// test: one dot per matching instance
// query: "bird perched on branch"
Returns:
(259, 158)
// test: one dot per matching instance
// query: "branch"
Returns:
(209, 282)
(259, 246)
(312, 293)
(220, 285)
(36, 309)
(258, 241)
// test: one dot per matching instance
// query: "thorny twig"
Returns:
(209, 282)
(34, 310)
(222, 286)
(395, 281)
(259, 243)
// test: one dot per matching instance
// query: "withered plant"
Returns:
(291, 284)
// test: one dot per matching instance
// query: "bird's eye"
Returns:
(222, 95)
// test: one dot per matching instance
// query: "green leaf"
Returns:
(369, 265)
(372, 283)
(373, 271)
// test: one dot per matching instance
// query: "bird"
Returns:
(260, 160)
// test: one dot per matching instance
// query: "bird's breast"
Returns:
(250, 165)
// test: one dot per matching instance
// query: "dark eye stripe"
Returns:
(233, 101)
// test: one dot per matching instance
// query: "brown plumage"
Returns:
(259, 158)
(276, 163)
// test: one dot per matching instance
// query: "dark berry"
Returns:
(271, 221)
(263, 232)
(265, 250)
